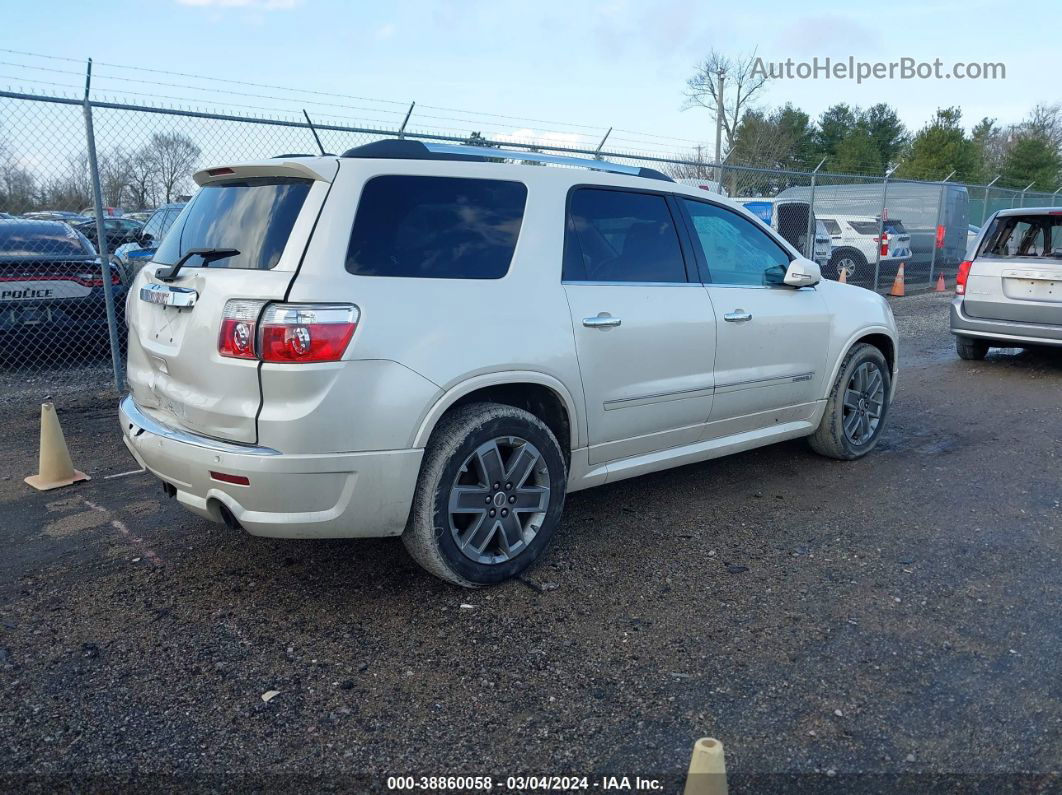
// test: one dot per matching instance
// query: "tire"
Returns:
(849, 429)
(971, 350)
(854, 263)
(457, 462)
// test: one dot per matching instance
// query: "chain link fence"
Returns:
(95, 185)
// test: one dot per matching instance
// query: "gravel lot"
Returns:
(886, 625)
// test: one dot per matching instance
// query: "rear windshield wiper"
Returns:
(208, 255)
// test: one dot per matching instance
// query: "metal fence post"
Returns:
(881, 225)
(988, 187)
(1054, 197)
(1023, 193)
(937, 230)
(101, 237)
(810, 242)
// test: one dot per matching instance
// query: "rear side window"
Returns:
(864, 227)
(436, 227)
(616, 236)
(253, 216)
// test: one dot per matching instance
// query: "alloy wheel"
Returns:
(498, 500)
(864, 403)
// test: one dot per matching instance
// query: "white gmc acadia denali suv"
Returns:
(432, 342)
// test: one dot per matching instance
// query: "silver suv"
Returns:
(1009, 294)
(434, 342)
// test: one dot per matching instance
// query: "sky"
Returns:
(564, 71)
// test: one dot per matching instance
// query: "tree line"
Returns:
(868, 141)
(134, 179)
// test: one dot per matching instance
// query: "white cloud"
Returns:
(385, 31)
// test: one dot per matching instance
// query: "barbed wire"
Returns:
(475, 115)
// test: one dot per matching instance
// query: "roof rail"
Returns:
(404, 149)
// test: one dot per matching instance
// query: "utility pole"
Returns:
(721, 74)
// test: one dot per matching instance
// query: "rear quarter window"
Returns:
(436, 227)
(864, 227)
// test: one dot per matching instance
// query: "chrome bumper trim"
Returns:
(143, 422)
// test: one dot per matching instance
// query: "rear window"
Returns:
(894, 228)
(864, 227)
(832, 226)
(253, 216)
(436, 227)
(39, 239)
(1025, 236)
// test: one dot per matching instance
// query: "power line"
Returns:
(302, 91)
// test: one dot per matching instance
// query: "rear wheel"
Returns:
(851, 262)
(490, 494)
(971, 350)
(857, 407)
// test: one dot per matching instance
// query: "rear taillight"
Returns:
(885, 244)
(940, 236)
(95, 279)
(962, 276)
(294, 333)
(239, 329)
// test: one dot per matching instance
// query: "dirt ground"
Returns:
(891, 624)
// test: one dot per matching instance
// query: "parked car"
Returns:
(1009, 293)
(51, 288)
(412, 339)
(5, 216)
(141, 216)
(134, 253)
(56, 215)
(119, 231)
(108, 212)
(856, 240)
(823, 245)
(787, 216)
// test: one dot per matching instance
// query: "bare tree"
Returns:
(744, 78)
(697, 166)
(173, 158)
(116, 171)
(142, 179)
(1045, 121)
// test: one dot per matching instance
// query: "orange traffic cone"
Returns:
(842, 276)
(897, 283)
(56, 468)
(941, 287)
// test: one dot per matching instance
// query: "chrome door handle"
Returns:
(737, 316)
(603, 320)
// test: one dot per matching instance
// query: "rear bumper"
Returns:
(1003, 330)
(337, 495)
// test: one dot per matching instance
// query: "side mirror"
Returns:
(802, 273)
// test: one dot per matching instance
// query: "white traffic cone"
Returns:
(707, 773)
(56, 468)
